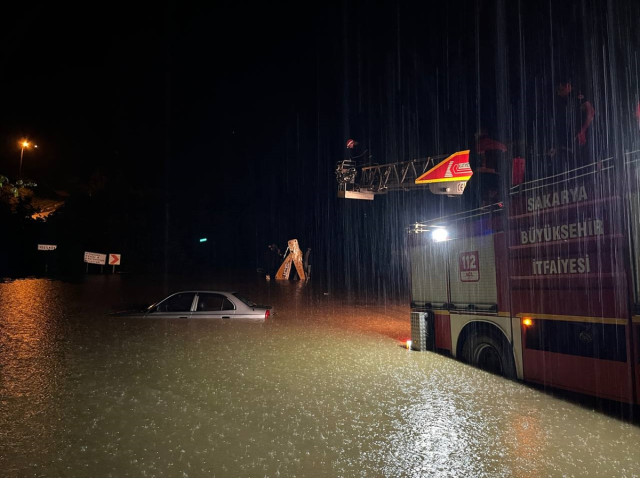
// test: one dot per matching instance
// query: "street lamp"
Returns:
(23, 144)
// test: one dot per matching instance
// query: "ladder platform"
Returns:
(368, 195)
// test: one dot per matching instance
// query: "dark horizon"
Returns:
(230, 119)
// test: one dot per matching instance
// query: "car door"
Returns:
(213, 306)
(176, 306)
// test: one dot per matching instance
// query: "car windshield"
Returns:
(245, 300)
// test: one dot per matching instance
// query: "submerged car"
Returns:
(202, 305)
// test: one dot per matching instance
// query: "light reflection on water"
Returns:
(322, 389)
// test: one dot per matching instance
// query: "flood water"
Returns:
(321, 389)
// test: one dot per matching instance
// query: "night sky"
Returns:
(236, 112)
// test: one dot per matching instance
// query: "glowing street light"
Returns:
(23, 144)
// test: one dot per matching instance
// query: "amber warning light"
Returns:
(527, 322)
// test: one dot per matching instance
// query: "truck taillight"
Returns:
(267, 313)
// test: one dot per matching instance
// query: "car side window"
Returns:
(177, 303)
(228, 305)
(210, 302)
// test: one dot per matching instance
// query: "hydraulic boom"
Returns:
(443, 174)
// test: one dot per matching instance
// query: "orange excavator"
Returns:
(292, 256)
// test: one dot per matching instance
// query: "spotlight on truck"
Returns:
(440, 234)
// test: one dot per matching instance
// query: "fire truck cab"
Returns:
(458, 300)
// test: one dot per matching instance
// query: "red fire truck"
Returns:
(543, 287)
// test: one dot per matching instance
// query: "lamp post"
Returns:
(24, 144)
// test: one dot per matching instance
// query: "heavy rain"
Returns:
(440, 204)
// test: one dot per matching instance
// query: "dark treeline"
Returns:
(117, 218)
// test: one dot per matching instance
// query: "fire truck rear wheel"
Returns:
(489, 353)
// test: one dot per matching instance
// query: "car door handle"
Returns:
(183, 317)
(226, 316)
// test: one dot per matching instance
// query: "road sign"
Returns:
(46, 247)
(114, 259)
(95, 258)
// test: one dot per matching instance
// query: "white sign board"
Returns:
(95, 258)
(114, 259)
(46, 247)
(469, 266)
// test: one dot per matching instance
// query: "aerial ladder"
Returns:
(444, 174)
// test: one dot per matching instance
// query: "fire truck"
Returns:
(542, 287)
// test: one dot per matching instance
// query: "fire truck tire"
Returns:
(489, 353)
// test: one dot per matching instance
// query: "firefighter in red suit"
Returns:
(491, 152)
(491, 156)
(574, 115)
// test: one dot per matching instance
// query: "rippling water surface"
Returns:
(322, 389)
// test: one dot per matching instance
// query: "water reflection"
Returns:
(31, 361)
(322, 389)
(527, 442)
(28, 334)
